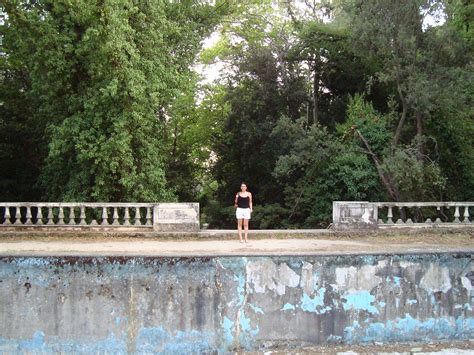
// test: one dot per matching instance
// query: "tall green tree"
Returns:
(420, 62)
(261, 85)
(100, 81)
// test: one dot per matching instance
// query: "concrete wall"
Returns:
(182, 305)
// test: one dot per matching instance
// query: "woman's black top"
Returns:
(243, 202)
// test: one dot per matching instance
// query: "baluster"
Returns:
(148, 216)
(399, 220)
(82, 217)
(438, 220)
(390, 215)
(95, 220)
(466, 215)
(61, 216)
(72, 215)
(28, 215)
(456, 215)
(138, 217)
(115, 217)
(126, 218)
(104, 216)
(7, 216)
(50, 218)
(17, 215)
(408, 220)
(39, 216)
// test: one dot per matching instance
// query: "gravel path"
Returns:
(227, 243)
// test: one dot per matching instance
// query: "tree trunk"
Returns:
(389, 184)
(419, 134)
(419, 124)
(308, 118)
(315, 96)
(398, 132)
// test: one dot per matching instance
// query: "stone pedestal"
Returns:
(176, 217)
(354, 215)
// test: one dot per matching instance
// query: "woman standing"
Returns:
(243, 203)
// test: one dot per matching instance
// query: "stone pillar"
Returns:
(354, 215)
(176, 217)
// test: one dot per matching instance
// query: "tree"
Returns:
(319, 168)
(261, 85)
(191, 129)
(102, 77)
(419, 61)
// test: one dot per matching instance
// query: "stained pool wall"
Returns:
(182, 305)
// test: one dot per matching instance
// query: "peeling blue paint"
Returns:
(34, 344)
(33, 262)
(288, 307)
(349, 332)
(42, 344)
(395, 279)
(240, 288)
(361, 300)
(246, 326)
(309, 304)
(409, 329)
(334, 339)
(247, 334)
(256, 309)
(374, 330)
(463, 324)
(228, 325)
(192, 305)
(157, 339)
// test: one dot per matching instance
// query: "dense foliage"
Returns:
(94, 83)
(339, 100)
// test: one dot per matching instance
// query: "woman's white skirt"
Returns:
(242, 213)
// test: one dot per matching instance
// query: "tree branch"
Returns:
(398, 132)
(387, 182)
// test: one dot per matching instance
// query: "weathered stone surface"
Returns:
(176, 217)
(198, 304)
(354, 215)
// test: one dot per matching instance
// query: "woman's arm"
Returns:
(250, 201)
(236, 197)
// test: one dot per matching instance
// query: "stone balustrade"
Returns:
(428, 213)
(361, 214)
(154, 216)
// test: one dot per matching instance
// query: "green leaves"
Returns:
(319, 102)
(102, 78)
(374, 126)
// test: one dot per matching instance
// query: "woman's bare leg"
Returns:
(246, 227)
(239, 227)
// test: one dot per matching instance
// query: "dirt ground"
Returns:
(215, 243)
